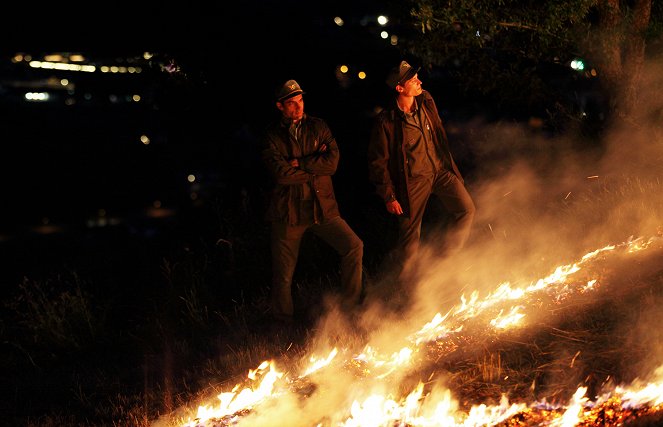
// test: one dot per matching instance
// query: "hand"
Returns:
(394, 207)
(294, 163)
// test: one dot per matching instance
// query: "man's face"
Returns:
(292, 108)
(411, 87)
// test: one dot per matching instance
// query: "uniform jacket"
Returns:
(316, 167)
(387, 159)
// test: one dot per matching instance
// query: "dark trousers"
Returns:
(285, 244)
(456, 200)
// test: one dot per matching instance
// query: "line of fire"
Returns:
(382, 384)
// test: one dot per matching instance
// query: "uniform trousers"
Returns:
(456, 200)
(285, 243)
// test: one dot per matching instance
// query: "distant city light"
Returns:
(384, 34)
(393, 40)
(344, 69)
(191, 178)
(135, 98)
(37, 96)
(56, 57)
(59, 62)
(62, 66)
(361, 75)
(338, 21)
(145, 139)
(382, 20)
(121, 70)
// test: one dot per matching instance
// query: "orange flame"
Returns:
(419, 409)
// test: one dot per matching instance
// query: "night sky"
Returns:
(68, 166)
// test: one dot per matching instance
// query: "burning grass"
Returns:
(514, 354)
(575, 350)
(585, 335)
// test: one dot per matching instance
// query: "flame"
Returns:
(233, 402)
(425, 407)
(317, 363)
(510, 319)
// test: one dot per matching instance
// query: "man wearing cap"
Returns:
(409, 159)
(301, 155)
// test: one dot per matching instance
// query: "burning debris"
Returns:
(463, 350)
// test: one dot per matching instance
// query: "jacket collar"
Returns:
(287, 122)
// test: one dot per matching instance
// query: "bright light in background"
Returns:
(145, 139)
(37, 96)
(384, 34)
(57, 61)
(121, 70)
(18, 58)
(135, 98)
(578, 64)
(361, 75)
(62, 66)
(344, 69)
(191, 178)
(382, 20)
(393, 40)
(338, 21)
(56, 57)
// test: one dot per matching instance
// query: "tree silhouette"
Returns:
(505, 50)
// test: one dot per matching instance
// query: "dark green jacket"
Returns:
(316, 167)
(387, 161)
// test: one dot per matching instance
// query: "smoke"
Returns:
(545, 200)
(542, 201)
